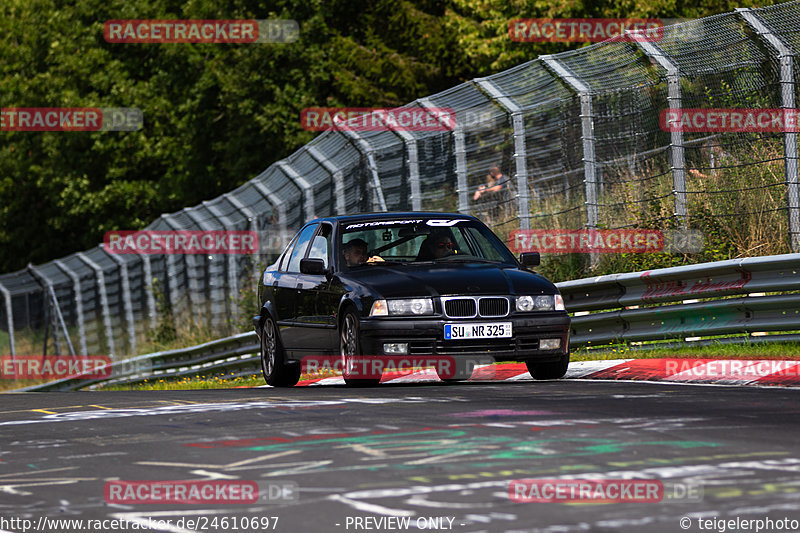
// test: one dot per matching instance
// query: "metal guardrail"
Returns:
(229, 355)
(627, 307)
(606, 309)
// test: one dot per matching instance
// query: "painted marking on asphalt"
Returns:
(230, 466)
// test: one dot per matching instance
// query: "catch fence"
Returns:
(578, 133)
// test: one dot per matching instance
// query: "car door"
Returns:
(316, 303)
(285, 288)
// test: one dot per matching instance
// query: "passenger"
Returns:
(436, 246)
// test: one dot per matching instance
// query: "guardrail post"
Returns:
(126, 298)
(520, 151)
(76, 288)
(9, 319)
(338, 178)
(460, 146)
(303, 185)
(366, 149)
(786, 59)
(101, 286)
(653, 51)
(587, 134)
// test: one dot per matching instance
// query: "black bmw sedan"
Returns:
(385, 286)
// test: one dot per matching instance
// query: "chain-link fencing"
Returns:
(579, 135)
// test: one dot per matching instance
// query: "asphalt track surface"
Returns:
(434, 456)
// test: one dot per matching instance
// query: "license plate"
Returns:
(485, 330)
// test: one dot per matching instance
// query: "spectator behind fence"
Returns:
(494, 193)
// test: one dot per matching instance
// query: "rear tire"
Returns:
(277, 371)
(350, 345)
(554, 370)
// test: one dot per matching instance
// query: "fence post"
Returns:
(9, 319)
(148, 289)
(460, 146)
(301, 183)
(413, 166)
(101, 286)
(76, 288)
(654, 52)
(366, 149)
(232, 268)
(214, 290)
(126, 298)
(786, 58)
(336, 173)
(252, 217)
(520, 151)
(587, 134)
(187, 269)
(57, 317)
(276, 203)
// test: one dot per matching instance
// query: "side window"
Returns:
(300, 248)
(284, 260)
(321, 246)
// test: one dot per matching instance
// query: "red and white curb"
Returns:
(758, 372)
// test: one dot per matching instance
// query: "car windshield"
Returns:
(421, 240)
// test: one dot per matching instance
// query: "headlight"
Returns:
(545, 302)
(408, 306)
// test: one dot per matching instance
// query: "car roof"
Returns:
(384, 215)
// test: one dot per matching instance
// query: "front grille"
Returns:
(490, 307)
(459, 307)
(470, 306)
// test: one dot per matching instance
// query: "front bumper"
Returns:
(425, 336)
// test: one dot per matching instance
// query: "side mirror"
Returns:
(312, 266)
(529, 259)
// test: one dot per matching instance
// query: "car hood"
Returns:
(444, 279)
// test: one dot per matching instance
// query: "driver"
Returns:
(355, 253)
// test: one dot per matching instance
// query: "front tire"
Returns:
(554, 370)
(277, 371)
(350, 345)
